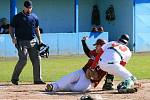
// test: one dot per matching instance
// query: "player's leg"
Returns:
(108, 85)
(35, 59)
(119, 70)
(22, 53)
(66, 82)
(83, 84)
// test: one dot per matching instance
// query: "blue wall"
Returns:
(60, 43)
(123, 24)
(142, 27)
(4, 9)
(57, 16)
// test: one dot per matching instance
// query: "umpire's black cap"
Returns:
(28, 3)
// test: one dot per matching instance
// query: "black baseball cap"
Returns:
(28, 3)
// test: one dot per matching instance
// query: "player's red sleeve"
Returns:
(123, 63)
(94, 64)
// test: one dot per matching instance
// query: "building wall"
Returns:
(142, 26)
(124, 19)
(57, 16)
(4, 9)
(59, 43)
(85, 13)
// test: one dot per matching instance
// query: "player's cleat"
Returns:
(49, 88)
(39, 82)
(14, 81)
(127, 86)
(107, 86)
(131, 90)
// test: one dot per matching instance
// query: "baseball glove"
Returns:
(91, 74)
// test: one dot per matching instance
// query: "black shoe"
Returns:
(39, 82)
(107, 86)
(14, 81)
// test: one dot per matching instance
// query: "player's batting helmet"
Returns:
(44, 50)
(124, 39)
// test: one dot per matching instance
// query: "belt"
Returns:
(108, 62)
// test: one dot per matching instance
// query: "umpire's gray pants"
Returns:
(24, 48)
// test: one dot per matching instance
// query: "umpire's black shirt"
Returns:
(25, 25)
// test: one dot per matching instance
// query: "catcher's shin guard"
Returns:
(108, 82)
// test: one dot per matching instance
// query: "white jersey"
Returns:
(115, 52)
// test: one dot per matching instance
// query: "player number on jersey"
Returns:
(121, 47)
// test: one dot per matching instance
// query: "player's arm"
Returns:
(97, 58)
(85, 47)
(37, 30)
(126, 58)
(38, 34)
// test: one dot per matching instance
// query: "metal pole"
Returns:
(13, 8)
(76, 15)
(77, 22)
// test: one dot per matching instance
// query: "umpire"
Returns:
(24, 28)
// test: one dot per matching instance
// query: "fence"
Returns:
(60, 43)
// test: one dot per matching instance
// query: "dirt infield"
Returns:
(28, 91)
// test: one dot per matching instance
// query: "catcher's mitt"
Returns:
(91, 74)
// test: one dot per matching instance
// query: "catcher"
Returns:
(81, 80)
(114, 56)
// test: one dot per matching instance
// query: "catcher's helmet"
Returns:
(43, 50)
(124, 39)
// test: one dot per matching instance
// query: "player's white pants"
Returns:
(115, 69)
(75, 81)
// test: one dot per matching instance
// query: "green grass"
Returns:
(57, 66)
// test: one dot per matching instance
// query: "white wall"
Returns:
(124, 18)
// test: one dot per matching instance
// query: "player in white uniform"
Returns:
(116, 54)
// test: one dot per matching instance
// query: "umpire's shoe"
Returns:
(14, 81)
(107, 86)
(39, 82)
